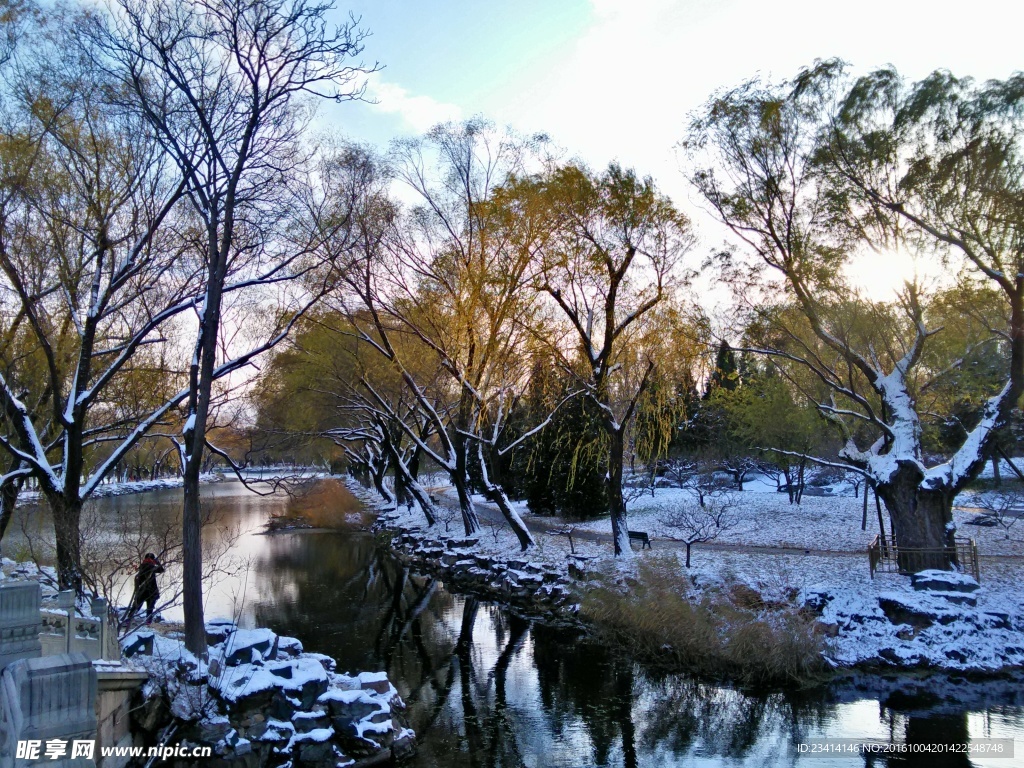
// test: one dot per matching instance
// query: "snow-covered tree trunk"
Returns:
(459, 472)
(408, 481)
(921, 518)
(495, 493)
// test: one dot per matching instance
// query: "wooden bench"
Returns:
(643, 538)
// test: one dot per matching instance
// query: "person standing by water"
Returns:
(146, 589)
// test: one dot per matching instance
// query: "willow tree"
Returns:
(611, 263)
(807, 173)
(453, 271)
(90, 280)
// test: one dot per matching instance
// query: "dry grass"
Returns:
(328, 504)
(729, 633)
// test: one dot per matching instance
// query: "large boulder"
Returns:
(943, 581)
(244, 646)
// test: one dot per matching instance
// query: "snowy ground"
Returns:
(827, 523)
(829, 569)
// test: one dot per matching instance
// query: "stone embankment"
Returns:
(262, 701)
(530, 587)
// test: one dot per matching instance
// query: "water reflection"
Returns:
(488, 689)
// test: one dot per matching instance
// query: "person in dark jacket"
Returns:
(146, 589)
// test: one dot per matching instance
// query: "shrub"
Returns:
(723, 634)
(327, 504)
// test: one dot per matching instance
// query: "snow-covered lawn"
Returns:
(767, 519)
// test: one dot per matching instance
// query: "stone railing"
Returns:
(42, 696)
(95, 636)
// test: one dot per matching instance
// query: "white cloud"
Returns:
(626, 87)
(420, 113)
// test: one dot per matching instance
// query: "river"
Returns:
(486, 688)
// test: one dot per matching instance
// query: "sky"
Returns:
(617, 79)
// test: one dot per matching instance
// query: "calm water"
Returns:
(485, 688)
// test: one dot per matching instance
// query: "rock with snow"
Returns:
(274, 711)
(944, 581)
(289, 646)
(244, 646)
(906, 608)
(374, 681)
(218, 630)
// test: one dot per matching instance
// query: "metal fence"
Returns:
(885, 556)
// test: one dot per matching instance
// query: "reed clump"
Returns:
(728, 632)
(327, 503)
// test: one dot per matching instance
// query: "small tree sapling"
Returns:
(701, 523)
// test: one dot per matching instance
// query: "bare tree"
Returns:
(698, 477)
(701, 523)
(1002, 508)
(226, 87)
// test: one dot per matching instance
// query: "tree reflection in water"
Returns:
(487, 689)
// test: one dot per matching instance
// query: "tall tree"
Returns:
(454, 272)
(92, 280)
(226, 88)
(613, 259)
(807, 172)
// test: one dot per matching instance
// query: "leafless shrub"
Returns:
(698, 524)
(697, 477)
(1004, 510)
(113, 548)
(447, 515)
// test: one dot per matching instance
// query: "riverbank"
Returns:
(320, 505)
(261, 700)
(127, 488)
(856, 621)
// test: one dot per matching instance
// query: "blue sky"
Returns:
(617, 79)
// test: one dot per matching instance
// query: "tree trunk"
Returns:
(688, 545)
(739, 475)
(470, 521)
(192, 565)
(378, 469)
(201, 373)
(67, 515)
(402, 497)
(460, 479)
(881, 521)
(414, 463)
(497, 496)
(864, 515)
(998, 480)
(495, 493)
(616, 504)
(921, 518)
(800, 475)
(9, 497)
(411, 486)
